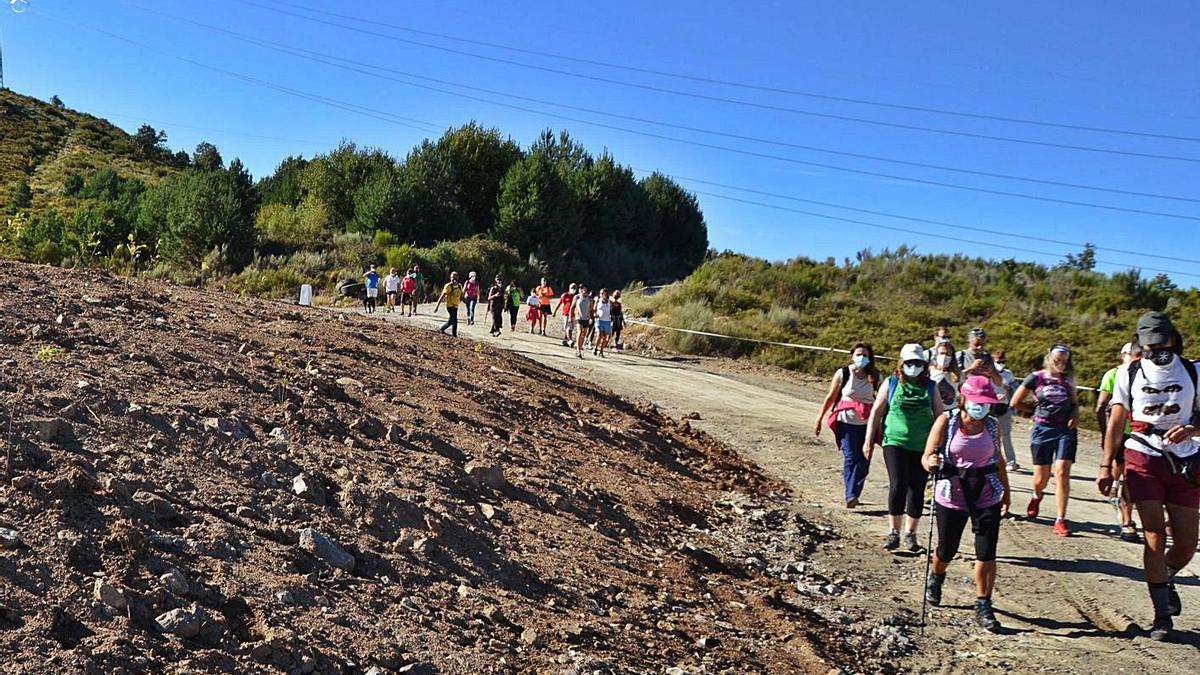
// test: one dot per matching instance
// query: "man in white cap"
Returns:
(1162, 458)
(1130, 352)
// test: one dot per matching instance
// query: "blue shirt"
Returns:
(372, 280)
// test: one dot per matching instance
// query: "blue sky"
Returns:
(1114, 66)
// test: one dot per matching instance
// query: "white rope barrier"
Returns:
(793, 345)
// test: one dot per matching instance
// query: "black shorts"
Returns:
(985, 524)
(585, 323)
(545, 310)
(392, 294)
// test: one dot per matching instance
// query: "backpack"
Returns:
(844, 371)
(973, 480)
(894, 379)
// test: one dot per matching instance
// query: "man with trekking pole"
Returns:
(1157, 394)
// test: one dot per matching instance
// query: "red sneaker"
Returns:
(1061, 529)
(1035, 504)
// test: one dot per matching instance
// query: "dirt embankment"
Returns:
(207, 483)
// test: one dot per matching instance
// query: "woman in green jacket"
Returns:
(906, 405)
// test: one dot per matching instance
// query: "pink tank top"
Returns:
(967, 452)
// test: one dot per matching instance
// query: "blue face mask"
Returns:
(977, 411)
(861, 362)
(913, 369)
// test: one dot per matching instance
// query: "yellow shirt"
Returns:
(453, 293)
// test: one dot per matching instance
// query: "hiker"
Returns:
(851, 393)
(976, 346)
(1162, 453)
(495, 298)
(941, 334)
(408, 293)
(1129, 353)
(618, 320)
(534, 305)
(391, 284)
(1007, 387)
(545, 296)
(603, 322)
(471, 297)
(963, 451)
(581, 310)
(906, 406)
(943, 373)
(515, 299)
(564, 303)
(1055, 436)
(452, 295)
(421, 294)
(372, 278)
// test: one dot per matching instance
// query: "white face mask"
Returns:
(913, 369)
(942, 361)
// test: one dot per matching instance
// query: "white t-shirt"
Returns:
(392, 283)
(604, 311)
(1163, 397)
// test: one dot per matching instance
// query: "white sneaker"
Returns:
(1013, 466)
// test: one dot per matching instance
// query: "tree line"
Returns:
(560, 209)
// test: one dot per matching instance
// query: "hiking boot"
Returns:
(933, 589)
(1161, 628)
(892, 542)
(1174, 604)
(852, 502)
(910, 542)
(1129, 534)
(1035, 505)
(984, 616)
(1061, 528)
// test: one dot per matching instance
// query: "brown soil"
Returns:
(486, 513)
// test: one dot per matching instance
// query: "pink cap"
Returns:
(979, 389)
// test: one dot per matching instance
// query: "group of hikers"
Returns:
(948, 414)
(589, 321)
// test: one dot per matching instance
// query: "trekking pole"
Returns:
(929, 546)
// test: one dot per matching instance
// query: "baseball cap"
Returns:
(980, 332)
(1155, 328)
(979, 389)
(913, 352)
(1130, 348)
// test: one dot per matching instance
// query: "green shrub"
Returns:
(693, 315)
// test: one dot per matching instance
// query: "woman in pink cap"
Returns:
(963, 450)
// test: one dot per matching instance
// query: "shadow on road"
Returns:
(1088, 566)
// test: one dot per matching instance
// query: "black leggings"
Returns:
(906, 481)
(512, 317)
(985, 524)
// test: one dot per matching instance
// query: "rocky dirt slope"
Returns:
(207, 483)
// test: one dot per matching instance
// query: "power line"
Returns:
(426, 127)
(928, 221)
(731, 83)
(732, 101)
(325, 58)
(385, 116)
(791, 160)
(989, 244)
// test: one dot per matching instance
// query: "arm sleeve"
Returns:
(1030, 381)
(1120, 391)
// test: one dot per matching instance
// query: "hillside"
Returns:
(890, 298)
(205, 482)
(45, 143)
(77, 191)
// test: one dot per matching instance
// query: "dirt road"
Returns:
(1070, 605)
